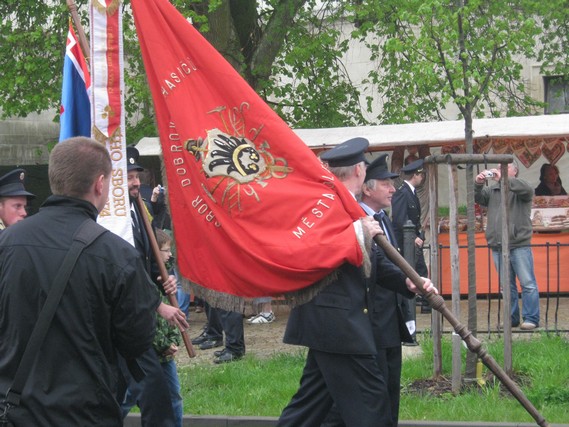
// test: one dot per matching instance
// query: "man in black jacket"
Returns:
(406, 207)
(341, 366)
(108, 306)
(151, 394)
(388, 321)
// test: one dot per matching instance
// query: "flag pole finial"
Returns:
(80, 31)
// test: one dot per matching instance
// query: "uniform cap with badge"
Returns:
(348, 153)
(413, 167)
(132, 155)
(378, 169)
(12, 184)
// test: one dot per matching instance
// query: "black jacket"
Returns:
(405, 206)
(340, 318)
(109, 304)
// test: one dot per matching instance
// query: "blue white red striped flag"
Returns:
(75, 112)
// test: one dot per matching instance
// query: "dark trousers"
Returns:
(214, 328)
(231, 323)
(151, 394)
(352, 382)
(389, 360)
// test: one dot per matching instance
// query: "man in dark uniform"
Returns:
(406, 206)
(151, 394)
(388, 319)
(341, 366)
(13, 198)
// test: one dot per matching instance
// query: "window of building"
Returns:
(556, 94)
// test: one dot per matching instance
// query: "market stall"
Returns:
(533, 140)
(550, 251)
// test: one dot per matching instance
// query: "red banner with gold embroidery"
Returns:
(254, 211)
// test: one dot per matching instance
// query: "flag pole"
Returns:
(162, 268)
(473, 344)
(80, 31)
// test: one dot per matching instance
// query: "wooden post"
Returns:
(456, 382)
(436, 318)
(505, 269)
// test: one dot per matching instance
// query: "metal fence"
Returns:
(553, 288)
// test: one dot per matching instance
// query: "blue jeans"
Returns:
(171, 374)
(183, 300)
(521, 266)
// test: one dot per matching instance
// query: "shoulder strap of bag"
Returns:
(86, 234)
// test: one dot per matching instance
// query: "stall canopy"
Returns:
(500, 133)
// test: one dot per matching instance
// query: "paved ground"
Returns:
(265, 340)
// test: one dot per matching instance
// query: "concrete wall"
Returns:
(24, 141)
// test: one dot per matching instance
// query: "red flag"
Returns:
(255, 213)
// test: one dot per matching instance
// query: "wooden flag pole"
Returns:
(473, 344)
(163, 272)
(84, 44)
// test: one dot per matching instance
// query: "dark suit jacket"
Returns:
(142, 245)
(337, 320)
(405, 206)
(389, 325)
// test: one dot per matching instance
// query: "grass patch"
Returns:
(263, 387)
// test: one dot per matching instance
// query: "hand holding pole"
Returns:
(163, 272)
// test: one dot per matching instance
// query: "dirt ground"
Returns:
(260, 340)
(266, 339)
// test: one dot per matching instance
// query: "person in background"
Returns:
(154, 196)
(13, 198)
(549, 182)
(388, 321)
(264, 311)
(406, 207)
(167, 339)
(108, 307)
(520, 233)
(221, 321)
(151, 393)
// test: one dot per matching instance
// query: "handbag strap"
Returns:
(86, 234)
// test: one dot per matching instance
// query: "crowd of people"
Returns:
(113, 340)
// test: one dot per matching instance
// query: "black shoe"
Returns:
(211, 343)
(227, 356)
(218, 353)
(200, 338)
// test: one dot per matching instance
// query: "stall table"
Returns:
(551, 264)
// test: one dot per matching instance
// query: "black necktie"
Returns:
(379, 218)
(134, 220)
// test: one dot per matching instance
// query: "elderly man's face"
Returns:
(13, 209)
(380, 196)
